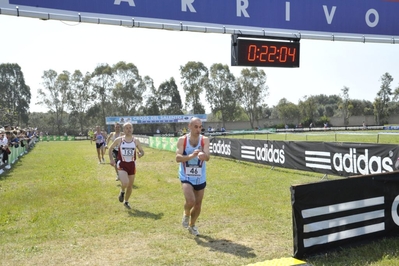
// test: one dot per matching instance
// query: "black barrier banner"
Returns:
(343, 159)
(334, 213)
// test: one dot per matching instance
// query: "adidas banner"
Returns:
(336, 213)
(342, 159)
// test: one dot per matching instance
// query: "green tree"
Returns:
(345, 105)
(103, 82)
(54, 95)
(92, 115)
(327, 105)
(308, 109)
(152, 104)
(252, 92)
(43, 121)
(80, 98)
(129, 89)
(395, 94)
(193, 76)
(287, 111)
(16, 95)
(394, 105)
(165, 100)
(361, 107)
(169, 98)
(64, 87)
(220, 92)
(382, 99)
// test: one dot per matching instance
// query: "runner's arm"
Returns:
(205, 154)
(180, 150)
(138, 145)
(108, 138)
(116, 142)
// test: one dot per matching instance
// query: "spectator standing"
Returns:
(6, 150)
(14, 141)
(30, 137)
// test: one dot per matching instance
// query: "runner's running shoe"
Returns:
(121, 196)
(127, 205)
(193, 230)
(185, 221)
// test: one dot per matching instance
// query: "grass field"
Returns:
(59, 207)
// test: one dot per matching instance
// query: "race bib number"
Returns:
(193, 171)
(127, 151)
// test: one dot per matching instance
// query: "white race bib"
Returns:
(194, 171)
(127, 151)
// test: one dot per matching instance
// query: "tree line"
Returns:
(77, 101)
(317, 109)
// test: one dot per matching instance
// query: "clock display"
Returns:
(265, 53)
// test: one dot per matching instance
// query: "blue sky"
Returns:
(325, 68)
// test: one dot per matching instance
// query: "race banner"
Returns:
(144, 140)
(337, 213)
(372, 17)
(163, 143)
(154, 119)
(342, 159)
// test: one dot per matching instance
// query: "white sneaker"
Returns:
(193, 230)
(127, 205)
(7, 167)
(185, 221)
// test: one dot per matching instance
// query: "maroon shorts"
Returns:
(128, 167)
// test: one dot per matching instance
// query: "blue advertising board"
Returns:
(368, 17)
(153, 119)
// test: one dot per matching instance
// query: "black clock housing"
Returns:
(264, 53)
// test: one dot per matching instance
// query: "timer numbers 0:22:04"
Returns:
(271, 53)
(265, 53)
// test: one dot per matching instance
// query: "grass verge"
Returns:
(59, 207)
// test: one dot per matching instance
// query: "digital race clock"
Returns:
(265, 53)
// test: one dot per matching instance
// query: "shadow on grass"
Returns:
(145, 214)
(226, 246)
(377, 252)
(6, 172)
(134, 186)
(4, 176)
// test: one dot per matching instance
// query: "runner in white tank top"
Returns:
(100, 143)
(128, 145)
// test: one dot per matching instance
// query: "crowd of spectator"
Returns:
(14, 137)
